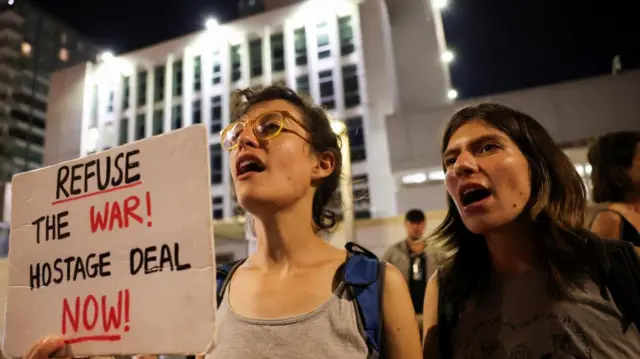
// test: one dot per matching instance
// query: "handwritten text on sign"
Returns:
(114, 248)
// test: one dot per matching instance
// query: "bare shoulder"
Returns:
(430, 318)
(606, 224)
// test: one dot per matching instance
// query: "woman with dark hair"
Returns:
(615, 163)
(289, 299)
(518, 274)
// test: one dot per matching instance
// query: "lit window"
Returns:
(26, 48)
(64, 55)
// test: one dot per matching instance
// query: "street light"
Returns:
(447, 57)
(452, 94)
(440, 4)
(346, 187)
(211, 23)
(106, 56)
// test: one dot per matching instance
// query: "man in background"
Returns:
(410, 258)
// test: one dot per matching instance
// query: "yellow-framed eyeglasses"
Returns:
(265, 127)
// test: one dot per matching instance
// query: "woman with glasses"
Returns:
(287, 299)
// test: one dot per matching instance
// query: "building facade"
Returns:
(32, 46)
(340, 52)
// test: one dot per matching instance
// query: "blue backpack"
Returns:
(363, 278)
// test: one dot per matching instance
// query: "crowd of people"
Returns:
(515, 270)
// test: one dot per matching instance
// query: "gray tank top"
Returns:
(331, 331)
(517, 320)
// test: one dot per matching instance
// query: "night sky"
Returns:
(500, 45)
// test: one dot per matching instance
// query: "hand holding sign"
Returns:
(115, 251)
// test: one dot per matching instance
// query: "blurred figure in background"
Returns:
(615, 162)
(410, 258)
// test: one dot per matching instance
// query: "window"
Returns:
(300, 40)
(217, 73)
(217, 203)
(140, 126)
(196, 112)
(322, 34)
(350, 86)
(356, 139)
(142, 88)
(177, 78)
(255, 55)
(124, 131)
(110, 101)
(216, 163)
(345, 30)
(327, 94)
(277, 52)
(236, 63)
(158, 89)
(126, 89)
(176, 117)
(302, 84)
(94, 105)
(197, 75)
(216, 114)
(361, 198)
(158, 122)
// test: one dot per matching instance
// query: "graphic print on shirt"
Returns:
(541, 336)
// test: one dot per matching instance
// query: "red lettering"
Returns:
(93, 310)
(98, 220)
(120, 214)
(68, 313)
(130, 206)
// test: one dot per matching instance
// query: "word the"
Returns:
(146, 258)
(77, 179)
(69, 269)
(119, 215)
(84, 315)
(53, 226)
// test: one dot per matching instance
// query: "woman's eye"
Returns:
(489, 147)
(449, 161)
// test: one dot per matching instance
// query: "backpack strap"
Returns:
(364, 277)
(223, 276)
(620, 268)
(447, 320)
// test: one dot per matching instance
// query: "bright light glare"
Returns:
(338, 127)
(211, 23)
(92, 139)
(436, 175)
(414, 178)
(10, 2)
(440, 4)
(106, 56)
(452, 94)
(447, 57)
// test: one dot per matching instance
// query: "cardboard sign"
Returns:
(114, 251)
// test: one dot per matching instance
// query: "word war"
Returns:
(85, 313)
(121, 215)
(100, 173)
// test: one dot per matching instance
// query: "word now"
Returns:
(114, 214)
(105, 172)
(85, 314)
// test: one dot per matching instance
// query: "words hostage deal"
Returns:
(74, 268)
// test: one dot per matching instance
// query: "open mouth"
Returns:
(249, 165)
(474, 195)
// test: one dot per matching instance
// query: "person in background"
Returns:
(615, 163)
(410, 258)
(518, 274)
(288, 299)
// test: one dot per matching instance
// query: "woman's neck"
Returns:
(513, 249)
(285, 238)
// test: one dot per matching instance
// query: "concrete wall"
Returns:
(570, 111)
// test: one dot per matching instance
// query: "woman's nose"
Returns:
(465, 164)
(247, 137)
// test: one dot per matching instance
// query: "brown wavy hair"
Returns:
(611, 156)
(322, 139)
(556, 205)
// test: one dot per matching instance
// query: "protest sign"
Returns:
(114, 251)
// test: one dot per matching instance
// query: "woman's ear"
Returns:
(325, 165)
